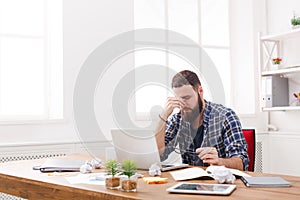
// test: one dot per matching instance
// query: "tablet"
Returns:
(202, 188)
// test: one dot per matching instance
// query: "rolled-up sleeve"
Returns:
(172, 128)
(235, 142)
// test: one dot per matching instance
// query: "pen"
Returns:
(295, 95)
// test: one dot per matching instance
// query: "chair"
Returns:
(249, 135)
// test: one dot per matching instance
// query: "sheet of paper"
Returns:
(92, 178)
(239, 173)
(196, 172)
(233, 171)
(189, 173)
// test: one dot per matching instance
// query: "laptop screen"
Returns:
(139, 145)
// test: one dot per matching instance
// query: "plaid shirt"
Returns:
(222, 130)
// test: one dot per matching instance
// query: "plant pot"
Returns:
(112, 182)
(295, 26)
(129, 184)
(275, 66)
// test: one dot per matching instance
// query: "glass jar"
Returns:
(129, 184)
(112, 182)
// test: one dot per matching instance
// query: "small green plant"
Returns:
(112, 167)
(129, 167)
(295, 20)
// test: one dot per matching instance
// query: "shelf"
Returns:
(271, 46)
(281, 36)
(283, 108)
(295, 69)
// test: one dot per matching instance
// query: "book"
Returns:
(197, 172)
(265, 181)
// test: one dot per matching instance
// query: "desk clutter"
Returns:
(124, 177)
(218, 173)
(69, 165)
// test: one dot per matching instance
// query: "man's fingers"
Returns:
(206, 150)
(208, 156)
(175, 103)
(211, 161)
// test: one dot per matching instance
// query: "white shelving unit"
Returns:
(290, 70)
(286, 35)
(270, 46)
(282, 108)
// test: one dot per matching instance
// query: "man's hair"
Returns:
(186, 77)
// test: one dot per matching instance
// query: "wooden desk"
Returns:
(18, 178)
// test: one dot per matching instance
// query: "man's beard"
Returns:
(195, 112)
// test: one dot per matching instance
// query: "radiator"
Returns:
(9, 197)
(29, 156)
(258, 165)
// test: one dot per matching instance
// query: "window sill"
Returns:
(33, 121)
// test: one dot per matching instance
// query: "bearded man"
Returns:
(203, 132)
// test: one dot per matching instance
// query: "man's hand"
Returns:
(209, 155)
(172, 102)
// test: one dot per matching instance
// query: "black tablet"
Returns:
(202, 188)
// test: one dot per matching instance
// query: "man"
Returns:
(204, 133)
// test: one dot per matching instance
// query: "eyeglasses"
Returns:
(184, 151)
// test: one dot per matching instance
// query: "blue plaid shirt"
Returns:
(221, 128)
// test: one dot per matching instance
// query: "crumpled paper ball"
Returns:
(221, 174)
(154, 170)
(96, 163)
(86, 168)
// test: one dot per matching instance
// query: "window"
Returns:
(31, 67)
(204, 21)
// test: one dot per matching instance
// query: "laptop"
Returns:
(140, 146)
(60, 165)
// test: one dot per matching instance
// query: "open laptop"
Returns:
(140, 146)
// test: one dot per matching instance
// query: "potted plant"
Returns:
(129, 184)
(295, 21)
(112, 169)
(276, 62)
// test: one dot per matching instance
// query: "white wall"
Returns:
(284, 145)
(243, 47)
(268, 17)
(281, 146)
(87, 23)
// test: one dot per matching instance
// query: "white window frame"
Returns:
(145, 116)
(53, 68)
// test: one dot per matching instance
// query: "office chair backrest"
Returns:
(249, 135)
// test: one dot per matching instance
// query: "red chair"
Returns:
(249, 135)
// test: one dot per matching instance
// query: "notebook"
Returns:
(140, 146)
(60, 165)
(265, 181)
